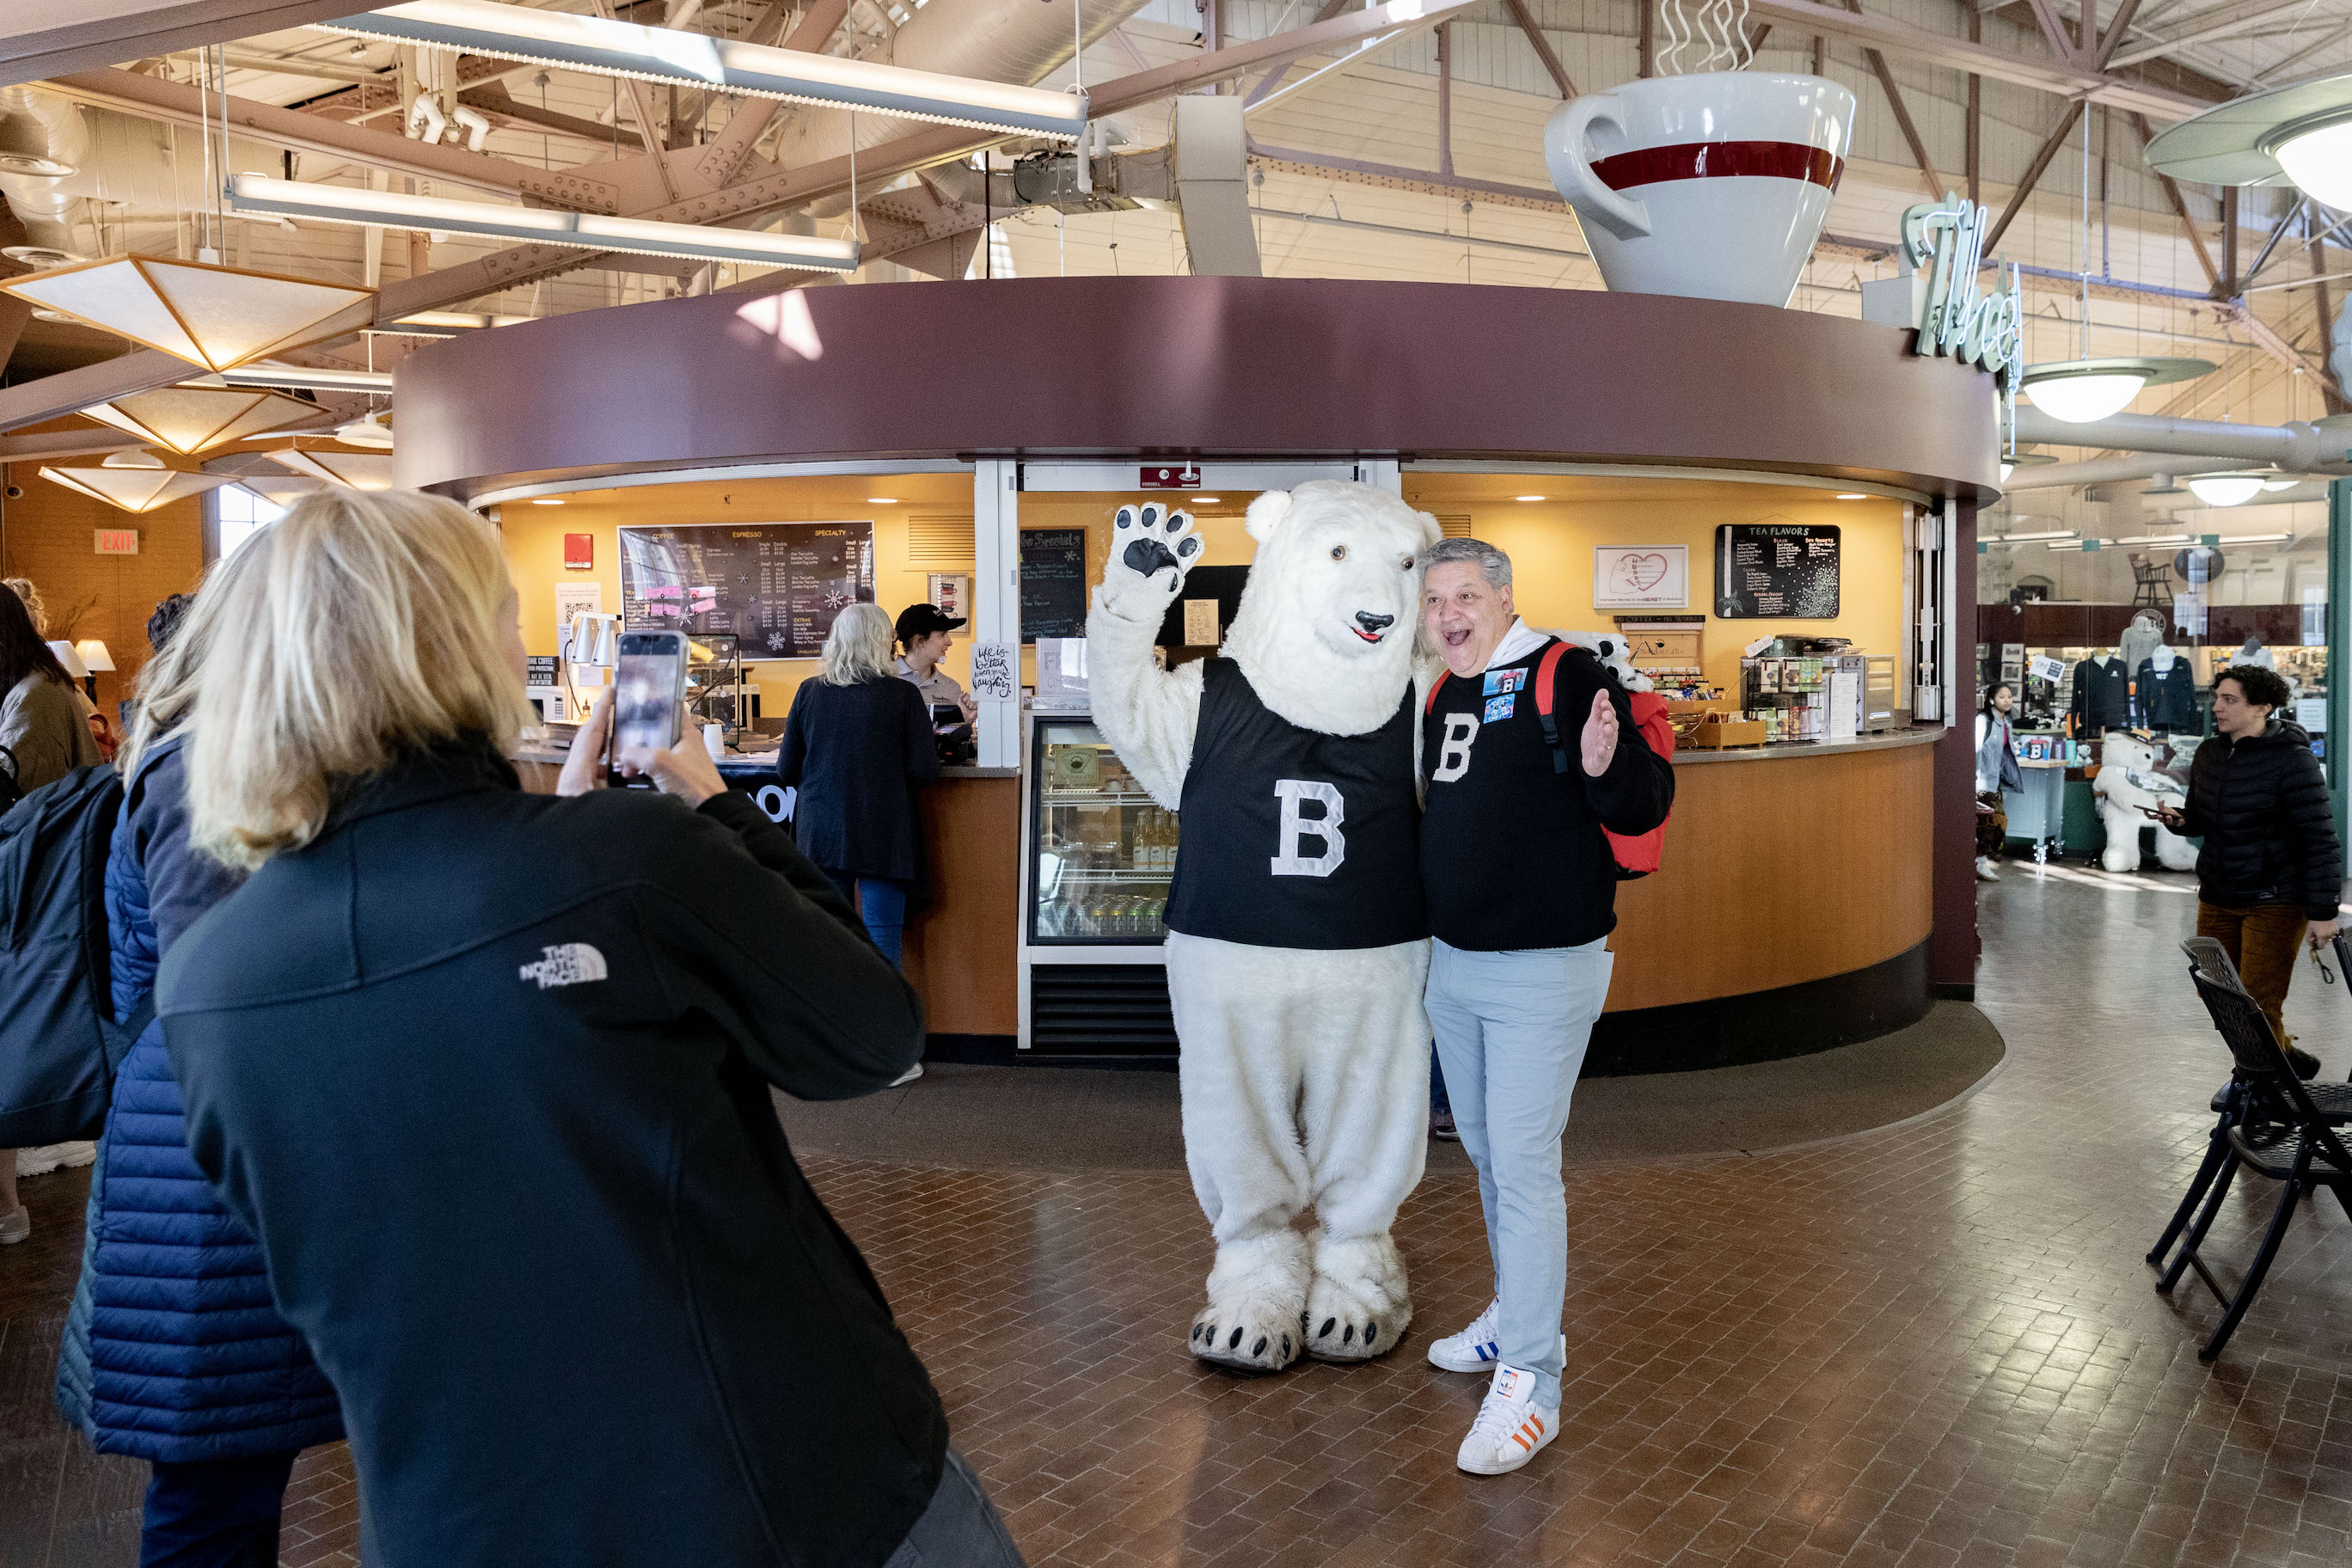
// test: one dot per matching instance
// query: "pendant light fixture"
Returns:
(135, 481)
(297, 377)
(354, 204)
(2226, 489)
(2079, 391)
(189, 419)
(669, 55)
(2016, 460)
(351, 470)
(2302, 134)
(217, 317)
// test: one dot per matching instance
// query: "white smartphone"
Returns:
(649, 693)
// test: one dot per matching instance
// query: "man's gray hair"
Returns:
(1493, 564)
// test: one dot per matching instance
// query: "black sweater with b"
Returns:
(1512, 852)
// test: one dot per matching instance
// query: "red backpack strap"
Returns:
(1434, 687)
(1547, 677)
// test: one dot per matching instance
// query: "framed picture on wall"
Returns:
(1641, 577)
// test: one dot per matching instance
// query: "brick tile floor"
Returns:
(1934, 1346)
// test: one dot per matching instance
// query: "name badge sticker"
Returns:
(1499, 707)
(1505, 680)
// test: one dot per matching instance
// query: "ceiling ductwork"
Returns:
(2161, 444)
(43, 144)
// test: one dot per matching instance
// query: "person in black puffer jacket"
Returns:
(2271, 870)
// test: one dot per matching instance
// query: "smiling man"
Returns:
(1521, 889)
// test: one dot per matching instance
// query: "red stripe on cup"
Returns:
(1715, 160)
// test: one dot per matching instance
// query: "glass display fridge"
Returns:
(1098, 853)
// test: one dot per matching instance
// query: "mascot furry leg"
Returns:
(1304, 1069)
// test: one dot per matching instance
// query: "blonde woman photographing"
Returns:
(487, 1076)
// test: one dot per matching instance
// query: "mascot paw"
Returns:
(1146, 542)
(1256, 1294)
(1358, 1306)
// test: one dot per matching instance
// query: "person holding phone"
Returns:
(857, 744)
(488, 1077)
(2271, 872)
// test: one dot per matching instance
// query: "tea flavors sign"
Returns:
(1641, 577)
(1773, 570)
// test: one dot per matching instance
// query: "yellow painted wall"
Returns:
(534, 547)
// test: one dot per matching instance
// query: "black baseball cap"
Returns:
(922, 620)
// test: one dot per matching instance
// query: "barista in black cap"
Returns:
(923, 632)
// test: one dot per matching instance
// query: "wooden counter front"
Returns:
(1780, 869)
(959, 953)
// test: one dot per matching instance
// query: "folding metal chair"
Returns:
(2277, 1127)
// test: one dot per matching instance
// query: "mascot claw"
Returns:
(1357, 1307)
(1145, 542)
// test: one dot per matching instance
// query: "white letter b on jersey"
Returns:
(1454, 753)
(1290, 862)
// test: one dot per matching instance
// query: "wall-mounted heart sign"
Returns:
(1643, 572)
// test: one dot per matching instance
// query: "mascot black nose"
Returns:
(1372, 623)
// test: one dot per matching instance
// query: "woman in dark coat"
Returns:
(171, 1350)
(488, 1075)
(858, 743)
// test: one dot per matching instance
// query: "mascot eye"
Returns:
(1339, 553)
(1408, 563)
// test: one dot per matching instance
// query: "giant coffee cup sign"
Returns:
(1714, 184)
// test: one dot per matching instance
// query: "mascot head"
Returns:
(1614, 651)
(1325, 630)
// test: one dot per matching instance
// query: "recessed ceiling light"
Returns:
(1204, 501)
(1852, 495)
(1527, 497)
(545, 501)
(881, 501)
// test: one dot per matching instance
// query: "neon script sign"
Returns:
(1958, 318)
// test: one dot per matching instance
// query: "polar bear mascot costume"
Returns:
(1296, 946)
(2131, 775)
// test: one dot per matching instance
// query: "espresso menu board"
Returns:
(776, 585)
(1053, 583)
(1767, 570)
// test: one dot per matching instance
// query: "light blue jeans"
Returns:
(1511, 1031)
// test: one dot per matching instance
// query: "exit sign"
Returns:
(117, 541)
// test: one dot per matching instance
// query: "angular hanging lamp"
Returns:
(279, 489)
(135, 481)
(351, 470)
(217, 317)
(188, 419)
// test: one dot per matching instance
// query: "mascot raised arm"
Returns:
(1296, 946)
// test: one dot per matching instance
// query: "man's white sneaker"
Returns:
(46, 1157)
(909, 1076)
(1511, 1428)
(14, 1226)
(1477, 1348)
(1985, 872)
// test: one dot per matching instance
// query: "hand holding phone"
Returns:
(649, 697)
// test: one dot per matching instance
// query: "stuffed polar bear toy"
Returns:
(1296, 947)
(2131, 775)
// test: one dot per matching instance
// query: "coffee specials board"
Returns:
(1776, 570)
(1053, 583)
(776, 585)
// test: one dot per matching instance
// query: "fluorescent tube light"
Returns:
(667, 55)
(2036, 537)
(541, 226)
(290, 377)
(2256, 538)
(2080, 543)
(2158, 539)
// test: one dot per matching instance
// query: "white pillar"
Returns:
(996, 598)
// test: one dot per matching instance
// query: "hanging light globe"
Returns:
(2302, 132)
(2226, 489)
(2079, 391)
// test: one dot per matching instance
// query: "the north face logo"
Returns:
(565, 963)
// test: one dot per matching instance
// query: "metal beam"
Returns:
(2278, 348)
(2336, 402)
(41, 38)
(2157, 51)
(2033, 176)
(1885, 75)
(2180, 210)
(1972, 154)
(1527, 21)
(2105, 57)
(2064, 79)
(178, 104)
(2053, 31)
(1272, 78)
(2263, 257)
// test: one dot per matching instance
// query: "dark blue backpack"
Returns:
(59, 1042)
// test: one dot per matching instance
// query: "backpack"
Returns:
(59, 1042)
(1636, 855)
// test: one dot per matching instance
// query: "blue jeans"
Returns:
(1512, 1029)
(216, 1514)
(960, 1530)
(881, 903)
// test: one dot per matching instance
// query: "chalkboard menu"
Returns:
(1766, 571)
(775, 586)
(1053, 583)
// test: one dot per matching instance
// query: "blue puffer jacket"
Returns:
(173, 1350)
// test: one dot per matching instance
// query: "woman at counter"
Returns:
(856, 745)
(923, 632)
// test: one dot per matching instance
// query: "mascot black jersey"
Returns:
(1308, 840)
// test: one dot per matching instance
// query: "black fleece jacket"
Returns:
(2261, 804)
(486, 1074)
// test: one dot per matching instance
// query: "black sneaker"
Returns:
(2305, 1065)
(1441, 1126)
